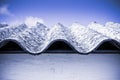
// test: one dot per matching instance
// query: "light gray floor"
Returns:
(60, 67)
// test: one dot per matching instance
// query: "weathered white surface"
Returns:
(110, 29)
(36, 39)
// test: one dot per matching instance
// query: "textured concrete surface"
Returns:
(60, 67)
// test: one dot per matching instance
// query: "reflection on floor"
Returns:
(59, 67)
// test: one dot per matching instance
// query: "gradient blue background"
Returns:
(64, 11)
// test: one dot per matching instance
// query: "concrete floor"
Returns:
(60, 67)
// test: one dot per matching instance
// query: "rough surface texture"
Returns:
(37, 38)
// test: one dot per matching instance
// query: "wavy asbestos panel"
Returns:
(38, 38)
(110, 29)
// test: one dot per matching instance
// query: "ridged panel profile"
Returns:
(36, 39)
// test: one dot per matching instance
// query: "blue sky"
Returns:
(63, 11)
